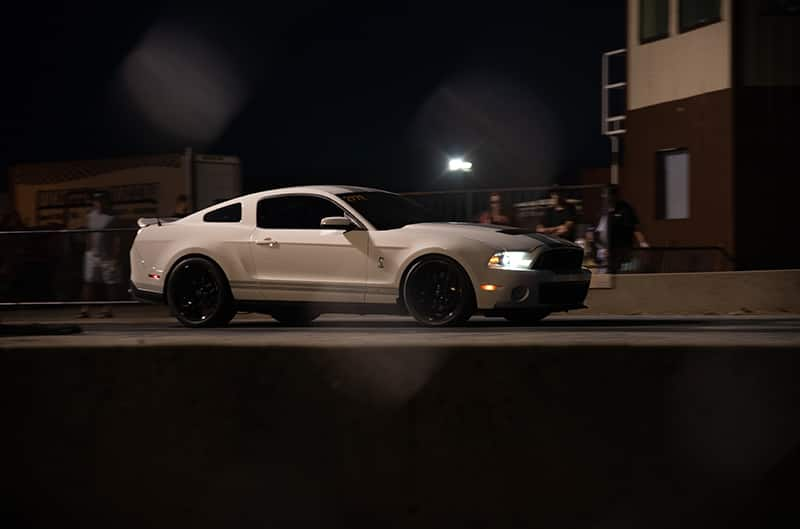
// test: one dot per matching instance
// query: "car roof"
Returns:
(332, 189)
(335, 190)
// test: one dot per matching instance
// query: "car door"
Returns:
(296, 260)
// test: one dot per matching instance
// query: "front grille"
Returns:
(566, 293)
(560, 261)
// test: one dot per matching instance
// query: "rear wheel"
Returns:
(438, 292)
(527, 316)
(198, 294)
(295, 316)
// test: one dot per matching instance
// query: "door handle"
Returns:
(268, 241)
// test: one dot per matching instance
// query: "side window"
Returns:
(232, 213)
(295, 212)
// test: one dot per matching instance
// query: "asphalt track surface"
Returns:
(152, 326)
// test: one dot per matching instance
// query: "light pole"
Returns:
(462, 166)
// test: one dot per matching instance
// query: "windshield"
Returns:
(387, 211)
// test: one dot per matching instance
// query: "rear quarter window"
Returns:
(232, 213)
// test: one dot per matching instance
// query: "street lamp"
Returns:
(462, 167)
(459, 164)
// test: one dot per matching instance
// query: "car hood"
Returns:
(498, 237)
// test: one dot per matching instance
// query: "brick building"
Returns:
(712, 126)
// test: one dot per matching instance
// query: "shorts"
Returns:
(99, 270)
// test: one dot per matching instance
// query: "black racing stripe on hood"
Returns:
(517, 231)
(542, 238)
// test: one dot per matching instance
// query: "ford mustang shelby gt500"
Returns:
(298, 252)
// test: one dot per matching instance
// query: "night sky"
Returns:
(314, 92)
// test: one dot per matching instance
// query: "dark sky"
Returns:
(314, 91)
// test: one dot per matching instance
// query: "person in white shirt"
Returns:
(100, 266)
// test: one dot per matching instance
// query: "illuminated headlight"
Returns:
(511, 260)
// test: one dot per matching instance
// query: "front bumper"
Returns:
(533, 289)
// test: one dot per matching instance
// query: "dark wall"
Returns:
(205, 437)
(701, 124)
(766, 40)
(767, 118)
(767, 177)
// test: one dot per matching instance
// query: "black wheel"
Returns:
(527, 316)
(198, 294)
(438, 292)
(295, 315)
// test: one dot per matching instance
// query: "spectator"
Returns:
(100, 264)
(181, 206)
(494, 215)
(624, 226)
(559, 219)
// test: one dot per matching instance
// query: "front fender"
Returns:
(466, 258)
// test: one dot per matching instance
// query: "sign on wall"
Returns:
(68, 207)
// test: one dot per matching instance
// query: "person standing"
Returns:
(559, 218)
(623, 224)
(494, 215)
(100, 266)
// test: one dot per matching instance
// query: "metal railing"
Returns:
(522, 204)
(678, 259)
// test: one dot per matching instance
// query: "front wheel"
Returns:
(198, 294)
(438, 292)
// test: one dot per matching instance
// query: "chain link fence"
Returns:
(526, 207)
(48, 266)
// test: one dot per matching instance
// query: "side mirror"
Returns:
(337, 223)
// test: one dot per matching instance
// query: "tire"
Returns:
(437, 292)
(295, 316)
(527, 316)
(198, 294)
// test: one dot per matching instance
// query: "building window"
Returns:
(653, 20)
(697, 13)
(232, 213)
(672, 186)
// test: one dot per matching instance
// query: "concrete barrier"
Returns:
(771, 291)
(349, 436)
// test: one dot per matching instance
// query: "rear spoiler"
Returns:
(149, 221)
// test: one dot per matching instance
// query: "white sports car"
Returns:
(298, 252)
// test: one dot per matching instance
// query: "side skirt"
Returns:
(324, 308)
